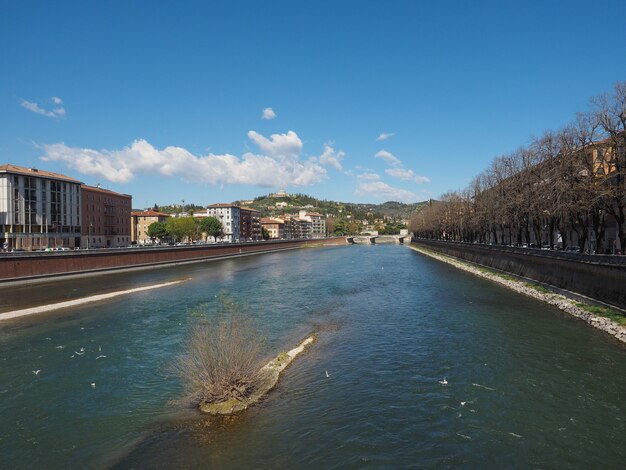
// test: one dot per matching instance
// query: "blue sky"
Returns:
(165, 100)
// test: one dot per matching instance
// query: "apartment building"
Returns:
(318, 223)
(38, 209)
(140, 221)
(275, 227)
(250, 224)
(230, 216)
(106, 220)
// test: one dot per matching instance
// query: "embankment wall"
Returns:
(599, 277)
(24, 266)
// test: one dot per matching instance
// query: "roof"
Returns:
(221, 204)
(102, 190)
(9, 168)
(248, 209)
(313, 214)
(267, 220)
(149, 213)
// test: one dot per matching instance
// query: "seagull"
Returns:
(99, 348)
(93, 385)
(36, 372)
(79, 353)
(101, 355)
(327, 374)
(443, 382)
(463, 403)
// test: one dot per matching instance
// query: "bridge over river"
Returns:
(374, 239)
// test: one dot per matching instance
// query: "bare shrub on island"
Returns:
(223, 356)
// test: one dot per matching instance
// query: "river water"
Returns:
(527, 387)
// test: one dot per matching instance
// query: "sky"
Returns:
(354, 101)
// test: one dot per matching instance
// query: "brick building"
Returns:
(105, 218)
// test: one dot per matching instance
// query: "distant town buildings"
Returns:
(42, 210)
(140, 221)
(105, 218)
(38, 209)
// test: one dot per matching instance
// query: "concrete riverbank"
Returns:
(576, 309)
(599, 277)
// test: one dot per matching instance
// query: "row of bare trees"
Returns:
(569, 183)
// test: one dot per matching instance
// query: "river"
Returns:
(527, 386)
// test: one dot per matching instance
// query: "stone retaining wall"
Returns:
(20, 266)
(599, 277)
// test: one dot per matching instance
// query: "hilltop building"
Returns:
(106, 218)
(38, 209)
(280, 193)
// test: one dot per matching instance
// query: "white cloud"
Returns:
(56, 100)
(406, 175)
(368, 177)
(35, 108)
(122, 166)
(331, 157)
(389, 158)
(268, 113)
(381, 190)
(385, 136)
(286, 145)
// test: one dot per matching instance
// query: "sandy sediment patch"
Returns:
(558, 300)
(84, 300)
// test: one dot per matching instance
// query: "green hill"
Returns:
(391, 210)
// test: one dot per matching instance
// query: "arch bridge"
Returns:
(374, 239)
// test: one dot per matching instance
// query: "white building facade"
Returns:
(38, 209)
(318, 223)
(230, 216)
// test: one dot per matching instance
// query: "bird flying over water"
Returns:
(93, 385)
(101, 355)
(327, 374)
(443, 382)
(36, 372)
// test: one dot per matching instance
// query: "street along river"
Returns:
(527, 386)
